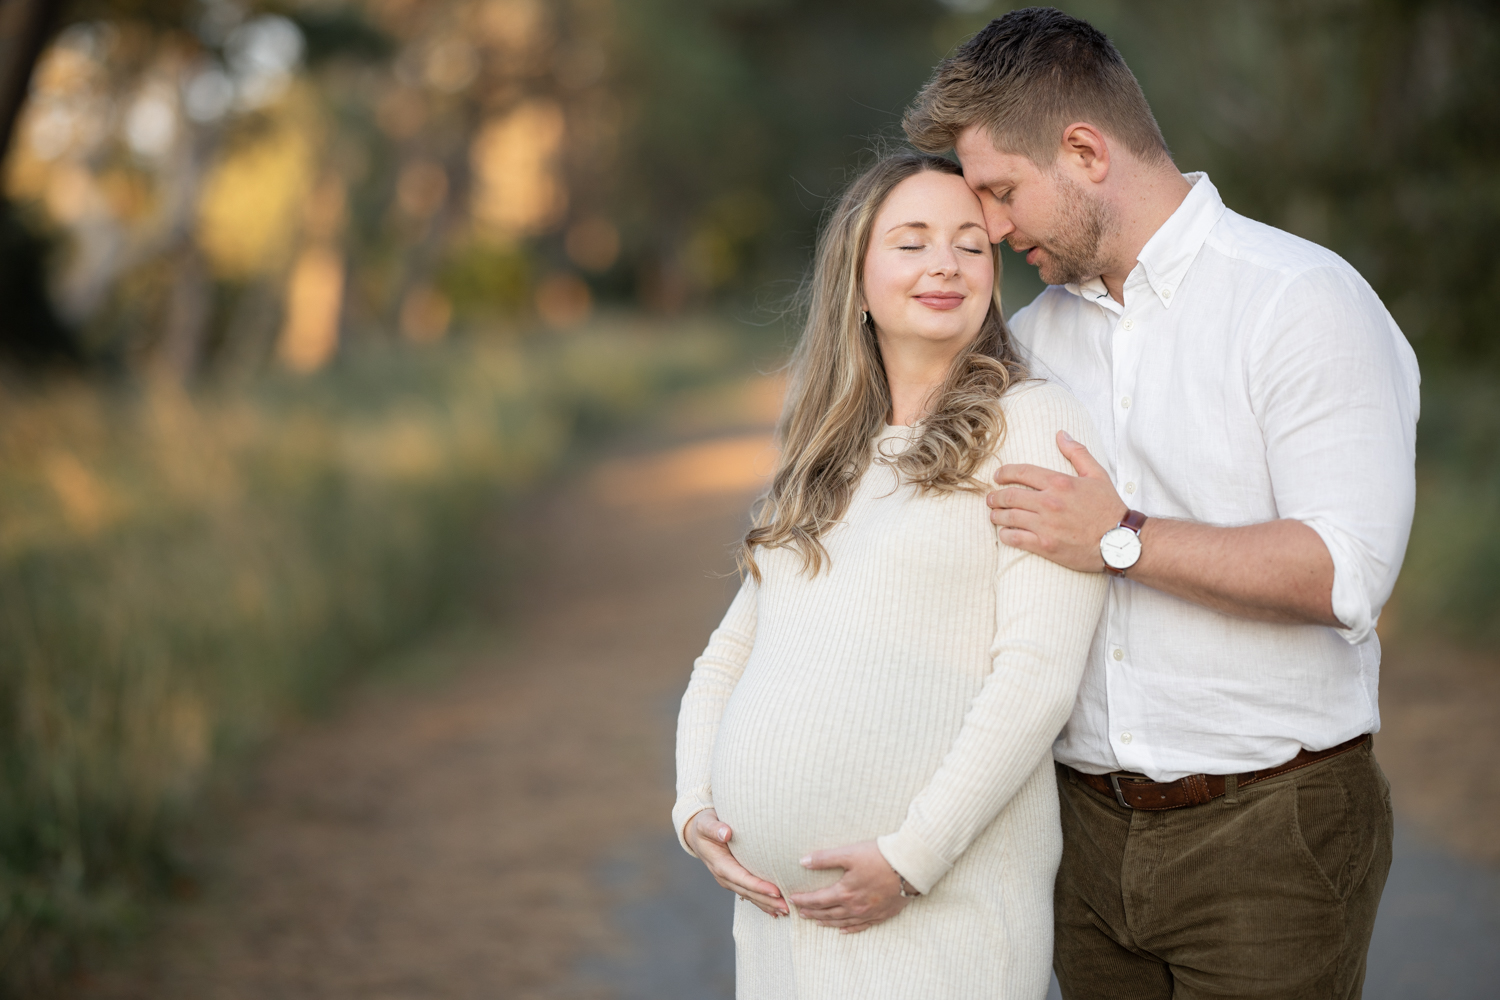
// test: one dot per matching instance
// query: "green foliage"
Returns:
(1451, 581)
(177, 574)
(487, 282)
(1368, 126)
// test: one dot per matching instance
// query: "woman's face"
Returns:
(929, 272)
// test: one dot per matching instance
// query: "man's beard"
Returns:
(1071, 254)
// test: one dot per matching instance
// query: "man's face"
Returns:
(1042, 213)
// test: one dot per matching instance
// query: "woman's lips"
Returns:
(941, 300)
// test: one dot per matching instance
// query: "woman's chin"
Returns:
(942, 330)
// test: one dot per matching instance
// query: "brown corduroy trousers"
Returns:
(1269, 893)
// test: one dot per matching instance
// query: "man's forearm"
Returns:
(1279, 571)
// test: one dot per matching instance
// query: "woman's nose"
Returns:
(945, 263)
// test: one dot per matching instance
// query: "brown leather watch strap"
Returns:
(1134, 520)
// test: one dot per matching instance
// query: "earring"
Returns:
(864, 317)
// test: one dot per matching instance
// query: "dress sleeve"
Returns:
(715, 674)
(1045, 617)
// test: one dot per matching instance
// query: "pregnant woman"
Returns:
(863, 751)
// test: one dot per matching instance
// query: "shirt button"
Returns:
(1119, 654)
(1129, 324)
(1126, 737)
(1130, 487)
(1125, 402)
(1166, 293)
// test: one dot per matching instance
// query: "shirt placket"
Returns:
(1125, 718)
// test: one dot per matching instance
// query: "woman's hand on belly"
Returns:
(709, 838)
(868, 892)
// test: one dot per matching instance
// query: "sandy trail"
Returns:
(499, 830)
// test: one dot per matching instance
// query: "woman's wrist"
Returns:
(907, 890)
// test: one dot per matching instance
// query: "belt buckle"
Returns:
(1114, 782)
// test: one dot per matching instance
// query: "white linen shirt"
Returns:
(1249, 376)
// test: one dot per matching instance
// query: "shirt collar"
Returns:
(1171, 250)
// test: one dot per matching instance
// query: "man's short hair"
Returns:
(1024, 78)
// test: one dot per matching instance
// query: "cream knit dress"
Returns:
(911, 693)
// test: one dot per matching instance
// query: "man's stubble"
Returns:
(1072, 249)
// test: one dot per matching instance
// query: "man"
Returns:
(1227, 831)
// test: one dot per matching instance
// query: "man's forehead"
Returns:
(984, 164)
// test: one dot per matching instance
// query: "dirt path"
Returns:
(500, 832)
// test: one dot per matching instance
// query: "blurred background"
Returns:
(303, 303)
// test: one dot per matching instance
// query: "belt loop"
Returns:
(1072, 776)
(1232, 789)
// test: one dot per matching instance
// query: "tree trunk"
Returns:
(25, 26)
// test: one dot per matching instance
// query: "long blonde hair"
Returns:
(838, 397)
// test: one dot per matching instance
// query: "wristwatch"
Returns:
(1121, 545)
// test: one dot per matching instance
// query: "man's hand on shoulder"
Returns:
(1277, 571)
(1055, 515)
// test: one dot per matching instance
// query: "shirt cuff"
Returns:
(685, 809)
(1351, 604)
(913, 860)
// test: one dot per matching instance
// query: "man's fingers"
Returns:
(1034, 476)
(1014, 517)
(1019, 538)
(1018, 499)
(1085, 463)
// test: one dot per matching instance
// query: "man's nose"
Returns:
(997, 222)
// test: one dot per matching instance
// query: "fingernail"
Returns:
(724, 834)
(775, 895)
(806, 861)
(1069, 438)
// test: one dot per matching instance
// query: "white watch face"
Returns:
(1120, 548)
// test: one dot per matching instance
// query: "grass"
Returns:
(180, 572)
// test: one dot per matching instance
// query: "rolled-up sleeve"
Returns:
(1335, 388)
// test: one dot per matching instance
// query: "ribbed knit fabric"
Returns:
(910, 693)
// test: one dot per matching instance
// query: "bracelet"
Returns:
(908, 891)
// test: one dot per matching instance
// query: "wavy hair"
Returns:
(838, 397)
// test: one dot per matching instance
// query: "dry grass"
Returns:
(178, 573)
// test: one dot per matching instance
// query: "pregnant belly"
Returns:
(812, 764)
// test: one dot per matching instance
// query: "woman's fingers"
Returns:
(833, 857)
(857, 928)
(828, 902)
(762, 899)
(709, 838)
(733, 875)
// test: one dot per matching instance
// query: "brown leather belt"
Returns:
(1136, 791)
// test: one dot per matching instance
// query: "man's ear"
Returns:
(1085, 149)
